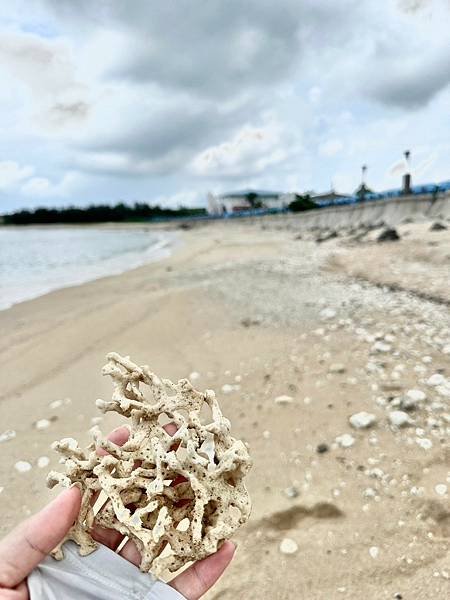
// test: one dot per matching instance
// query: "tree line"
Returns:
(98, 214)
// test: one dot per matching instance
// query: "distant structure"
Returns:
(362, 190)
(327, 196)
(406, 185)
(240, 201)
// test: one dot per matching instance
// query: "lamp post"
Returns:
(407, 176)
(362, 189)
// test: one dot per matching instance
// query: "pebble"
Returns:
(446, 349)
(321, 448)
(291, 492)
(43, 461)
(436, 379)
(374, 551)
(56, 404)
(416, 395)
(441, 489)
(194, 376)
(327, 313)
(412, 399)
(288, 546)
(7, 435)
(381, 347)
(266, 434)
(362, 420)
(1, 489)
(227, 388)
(42, 424)
(22, 466)
(398, 418)
(424, 443)
(284, 400)
(345, 440)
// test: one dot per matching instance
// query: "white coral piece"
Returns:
(156, 480)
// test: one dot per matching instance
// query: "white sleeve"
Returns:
(103, 575)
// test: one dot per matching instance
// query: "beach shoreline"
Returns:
(74, 268)
(255, 313)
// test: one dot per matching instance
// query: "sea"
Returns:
(35, 260)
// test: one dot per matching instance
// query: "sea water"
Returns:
(35, 260)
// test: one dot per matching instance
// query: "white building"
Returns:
(232, 202)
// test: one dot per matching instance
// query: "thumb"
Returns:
(28, 544)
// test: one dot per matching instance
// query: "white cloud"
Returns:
(250, 151)
(331, 147)
(41, 187)
(11, 173)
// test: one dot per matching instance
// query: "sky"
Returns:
(163, 102)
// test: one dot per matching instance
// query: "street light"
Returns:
(407, 176)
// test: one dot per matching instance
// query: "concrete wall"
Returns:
(389, 211)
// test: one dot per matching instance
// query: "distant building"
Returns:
(327, 196)
(232, 202)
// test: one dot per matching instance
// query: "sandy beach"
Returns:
(257, 311)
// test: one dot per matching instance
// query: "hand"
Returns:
(27, 545)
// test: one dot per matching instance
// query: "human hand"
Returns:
(27, 545)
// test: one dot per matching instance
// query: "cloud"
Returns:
(250, 151)
(331, 147)
(41, 187)
(410, 81)
(11, 173)
(213, 49)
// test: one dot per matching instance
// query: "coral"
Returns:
(176, 496)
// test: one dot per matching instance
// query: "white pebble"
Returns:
(291, 492)
(381, 347)
(194, 376)
(284, 400)
(424, 443)
(42, 424)
(227, 388)
(345, 440)
(446, 349)
(7, 435)
(362, 420)
(374, 551)
(22, 466)
(288, 546)
(440, 489)
(266, 434)
(56, 404)
(416, 395)
(327, 313)
(43, 461)
(436, 379)
(398, 418)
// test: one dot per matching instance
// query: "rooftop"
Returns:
(246, 192)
